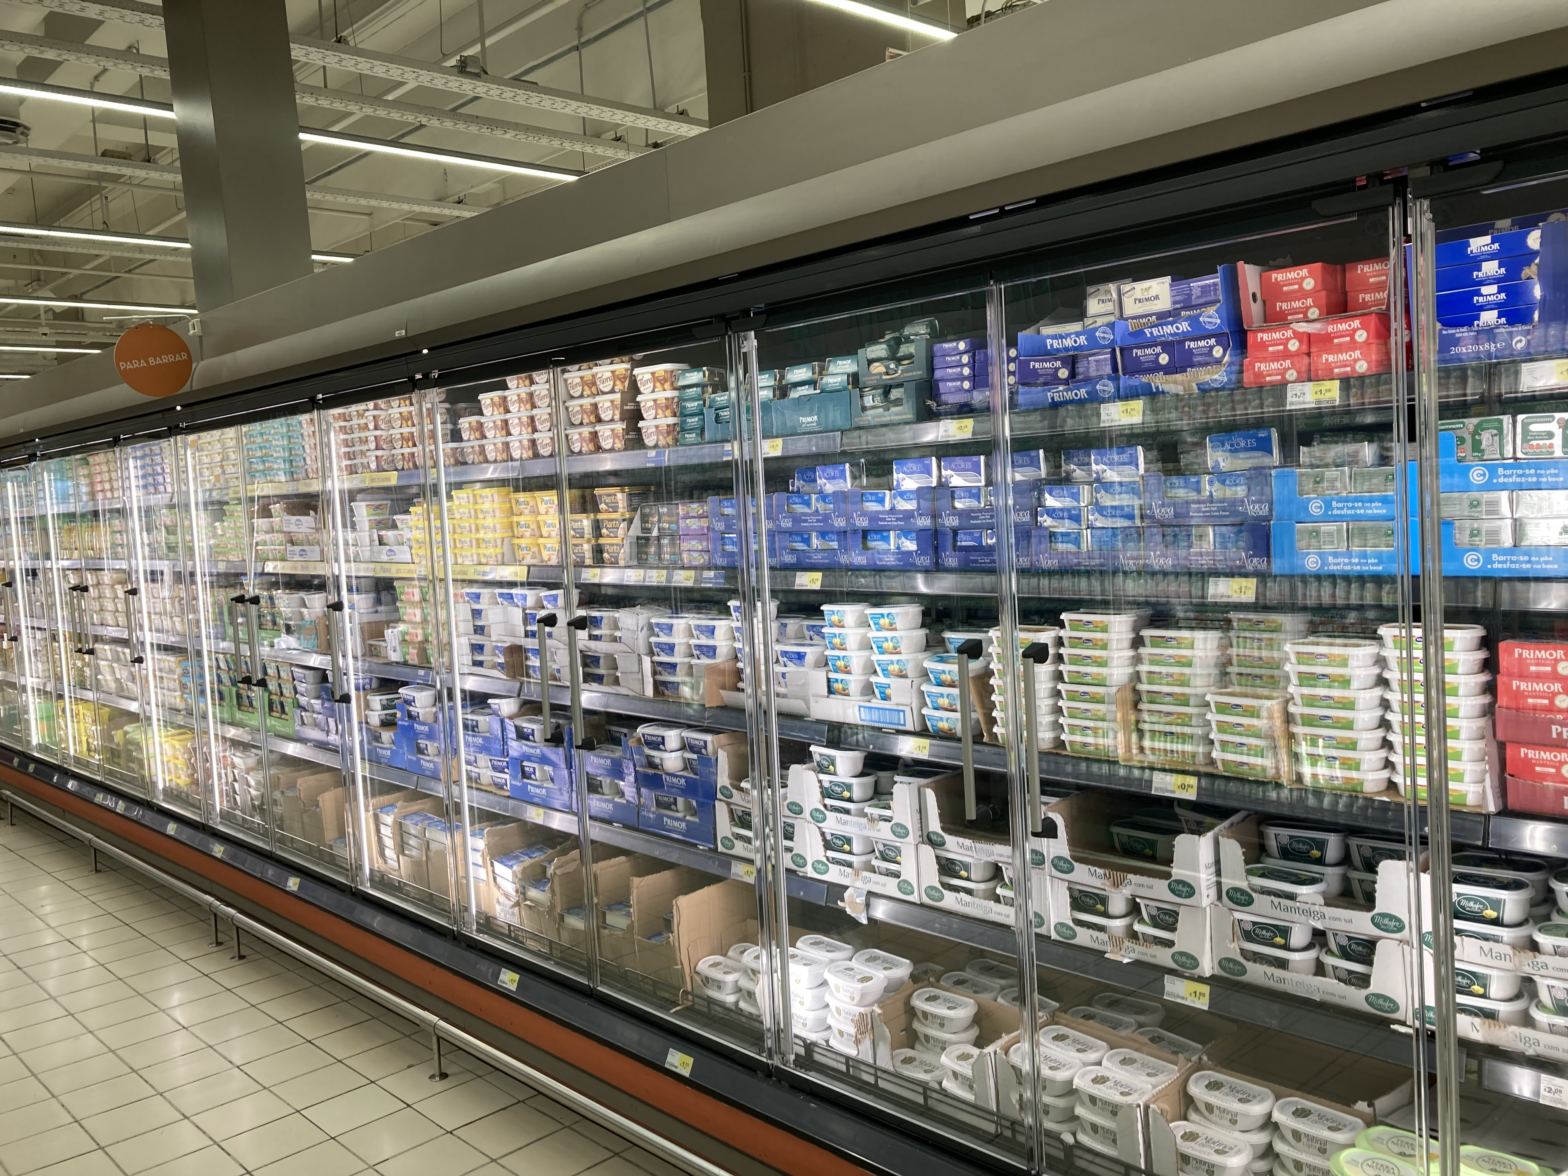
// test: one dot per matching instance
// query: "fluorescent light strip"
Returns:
(27, 300)
(332, 258)
(85, 98)
(60, 350)
(453, 157)
(9, 229)
(7, 376)
(897, 19)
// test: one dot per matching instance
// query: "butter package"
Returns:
(1123, 463)
(1030, 465)
(1302, 279)
(1281, 339)
(1183, 487)
(969, 497)
(1159, 294)
(1328, 482)
(1197, 351)
(1078, 465)
(805, 481)
(1124, 493)
(1541, 532)
(1115, 538)
(836, 382)
(1373, 479)
(1479, 504)
(890, 540)
(1118, 515)
(1505, 244)
(801, 503)
(1062, 518)
(1370, 536)
(1305, 307)
(973, 537)
(1242, 450)
(1044, 369)
(1099, 302)
(794, 391)
(1483, 532)
(803, 373)
(910, 473)
(1143, 358)
(842, 365)
(1069, 540)
(1539, 434)
(1260, 371)
(1539, 504)
(1480, 320)
(1094, 365)
(1321, 537)
(1490, 297)
(1080, 494)
(844, 476)
(1071, 338)
(964, 471)
(1491, 271)
(1481, 438)
(1371, 274)
(959, 370)
(958, 347)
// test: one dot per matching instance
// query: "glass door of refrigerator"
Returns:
(24, 624)
(161, 594)
(1490, 274)
(1218, 541)
(387, 659)
(30, 550)
(656, 680)
(881, 621)
(494, 524)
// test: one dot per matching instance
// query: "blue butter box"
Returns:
(1067, 340)
(1115, 538)
(802, 373)
(1122, 463)
(1241, 450)
(1507, 316)
(1063, 518)
(1069, 540)
(1496, 296)
(1045, 369)
(1124, 493)
(844, 476)
(910, 473)
(967, 470)
(1469, 249)
(1488, 272)
(834, 382)
(1094, 365)
(1030, 465)
(1080, 494)
(1161, 356)
(1078, 465)
(1119, 515)
(1087, 392)
(958, 347)
(1203, 350)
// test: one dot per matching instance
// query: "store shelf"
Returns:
(1507, 1075)
(1523, 834)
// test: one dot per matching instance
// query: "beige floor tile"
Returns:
(506, 1131)
(160, 1049)
(23, 995)
(162, 977)
(220, 1002)
(93, 1163)
(562, 1115)
(95, 997)
(183, 992)
(22, 1093)
(209, 1161)
(463, 1104)
(390, 1058)
(445, 1154)
(232, 1024)
(139, 1029)
(652, 1164)
(345, 1043)
(49, 1147)
(329, 1158)
(564, 1153)
(319, 1085)
(68, 982)
(112, 1011)
(249, 1048)
(224, 1086)
(43, 1008)
(88, 1072)
(234, 975)
(13, 1068)
(136, 965)
(413, 1084)
(352, 1109)
(332, 1019)
(62, 1053)
(112, 953)
(603, 1136)
(260, 991)
(615, 1166)
(243, 1114)
(185, 1069)
(105, 1096)
(282, 1137)
(94, 940)
(512, 1086)
(157, 1146)
(132, 1119)
(22, 1122)
(298, 1003)
(389, 1136)
(287, 1064)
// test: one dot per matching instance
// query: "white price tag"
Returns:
(1233, 589)
(808, 579)
(1180, 784)
(743, 871)
(955, 428)
(217, 851)
(772, 446)
(292, 885)
(534, 813)
(1554, 1092)
(1187, 992)
(1121, 412)
(1312, 394)
(172, 828)
(508, 980)
(1548, 373)
(679, 1062)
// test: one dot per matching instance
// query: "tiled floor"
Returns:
(128, 1044)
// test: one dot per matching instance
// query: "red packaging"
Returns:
(1371, 274)
(1284, 283)
(1280, 340)
(1537, 796)
(1348, 331)
(1532, 659)
(1536, 696)
(1261, 370)
(1544, 730)
(1299, 308)
(1548, 765)
(1360, 301)
(1359, 359)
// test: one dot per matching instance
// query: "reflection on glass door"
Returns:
(24, 647)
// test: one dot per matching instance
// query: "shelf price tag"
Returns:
(1233, 589)
(1181, 784)
(686, 576)
(772, 447)
(1122, 412)
(534, 813)
(217, 851)
(508, 980)
(679, 1062)
(592, 575)
(955, 428)
(172, 828)
(1547, 373)
(808, 579)
(633, 576)
(1313, 394)
(659, 576)
(743, 871)
(1554, 1092)
(1187, 992)
(920, 747)
(383, 478)
(292, 885)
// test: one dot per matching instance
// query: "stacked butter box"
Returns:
(1408, 656)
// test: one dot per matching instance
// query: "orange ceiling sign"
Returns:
(153, 360)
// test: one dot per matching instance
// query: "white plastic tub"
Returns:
(894, 968)
(943, 698)
(1504, 1012)
(849, 685)
(1467, 707)
(1469, 795)
(846, 638)
(1552, 938)
(1069, 1043)
(898, 666)
(1327, 741)
(1196, 717)
(1055, 1070)
(1454, 685)
(855, 789)
(1547, 1021)
(1248, 767)
(1285, 882)
(891, 618)
(1303, 961)
(1333, 876)
(934, 1041)
(949, 1012)
(1348, 972)
(720, 975)
(1113, 659)
(1132, 1064)
(1241, 702)
(846, 615)
(1189, 678)
(1322, 678)
(1312, 1129)
(1198, 640)
(1274, 933)
(1314, 698)
(1456, 638)
(897, 644)
(1145, 1014)
(1106, 1092)
(1471, 662)
(1346, 653)
(1230, 1101)
(851, 661)
(1173, 694)
(1316, 772)
(1312, 718)
(853, 984)
(1292, 1161)
(1206, 1151)
(1482, 898)
(1111, 904)
(1104, 622)
(805, 969)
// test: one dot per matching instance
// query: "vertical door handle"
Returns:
(541, 623)
(1037, 654)
(966, 650)
(574, 626)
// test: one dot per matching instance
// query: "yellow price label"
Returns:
(743, 871)
(508, 980)
(1187, 992)
(292, 885)
(633, 576)
(808, 579)
(679, 1062)
(1181, 784)
(217, 851)
(382, 478)
(1122, 412)
(657, 576)
(1244, 588)
(772, 447)
(687, 577)
(920, 747)
(1312, 394)
(172, 828)
(955, 429)
(592, 575)
(534, 813)
(1325, 391)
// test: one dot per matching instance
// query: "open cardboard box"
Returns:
(1191, 953)
(710, 921)
(934, 894)
(1496, 956)
(405, 802)
(1387, 996)
(731, 838)
(1241, 844)
(803, 798)
(1080, 850)
(942, 816)
(809, 857)
(1522, 1039)
(1291, 1067)
(649, 886)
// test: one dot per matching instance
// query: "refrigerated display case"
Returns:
(994, 699)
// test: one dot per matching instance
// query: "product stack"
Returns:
(1047, 681)
(284, 450)
(217, 459)
(1340, 680)
(1468, 702)
(1098, 659)
(1177, 669)
(377, 536)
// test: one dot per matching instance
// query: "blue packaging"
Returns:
(1066, 340)
(1115, 538)
(803, 373)
(842, 476)
(969, 497)
(905, 499)
(1491, 271)
(1118, 515)
(1184, 486)
(891, 540)
(1507, 316)
(951, 390)
(800, 503)
(1065, 540)
(1236, 484)
(1094, 365)
(1122, 463)
(910, 473)
(1056, 495)
(1045, 369)
(1471, 249)
(1125, 493)
(1159, 356)
(1203, 350)
(961, 371)
(1030, 465)
(805, 481)
(876, 499)
(1088, 392)
(770, 378)
(974, 537)
(1063, 518)
(1245, 449)
(958, 347)
(1491, 297)
(793, 391)
(798, 541)
(1162, 294)
(1078, 465)
(842, 365)
(1483, 344)
(964, 471)
(836, 383)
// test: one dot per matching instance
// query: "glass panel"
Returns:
(380, 625)
(884, 616)
(496, 522)
(1215, 436)
(652, 533)
(115, 682)
(25, 599)
(1492, 297)
(165, 754)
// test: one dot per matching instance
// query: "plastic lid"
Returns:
(1391, 1141)
(1357, 1161)
(1108, 1086)
(824, 948)
(970, 984)
(995, 971)
(1231, 1094)
(717, 967)
(1145, 1012)
(1214, 1147)
(1141, 1066)
(960, 1059)
(855, 976)
(1059, 1039)
(918, 1066)
(945, 1004)
(1496, 1163)
(885, 962)
(1323, 1122)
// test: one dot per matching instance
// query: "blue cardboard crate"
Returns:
(696, 828)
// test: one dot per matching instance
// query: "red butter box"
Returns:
(1371, 274)
(1537, 796)
(1261, 370)
(1278, 340)
(1305, 307)
(1348, 331)
(1527, 761)
(1535, 695)
(1533, 659)
(1544, 730)
(1302, 279)
(1359, 359)
(1359, 301)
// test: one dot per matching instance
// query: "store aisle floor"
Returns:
(128, 1044)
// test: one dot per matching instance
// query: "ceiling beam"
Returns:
(148, 16)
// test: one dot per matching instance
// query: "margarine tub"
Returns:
(1505, 1012)
(1304, 843)
(1474, 706)
(1132, 1064)
(1334, 719)
(1146, 838)
(1333, 876)
(1205, 1151)
(1170, 1042)
(1335, 652)
(1552, 994)
(1106, 1091)
(917, 1067)
(1483, 898)
(1472, 979)
(1356, 1161)
(1314, 1129)
(1532, 870)
(1098, 902)
(971, 985)
(934, 1041)
(1056, 1071)
(1456, 638)
(1547, 1021)
(1292, 1161)
(1285, 882)
(1143, 1013)
(1229, 1101)
(1243, 703)
(1303, 961)
(1402, 1145)
(1113, 1021)
(1552, 939)
(1348, 945)
(1352, 973)
(1326, 741)
(1097, 1131)
(1274, 933)
(1069, 1043)
(950, 1012)
(1496, 1163)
